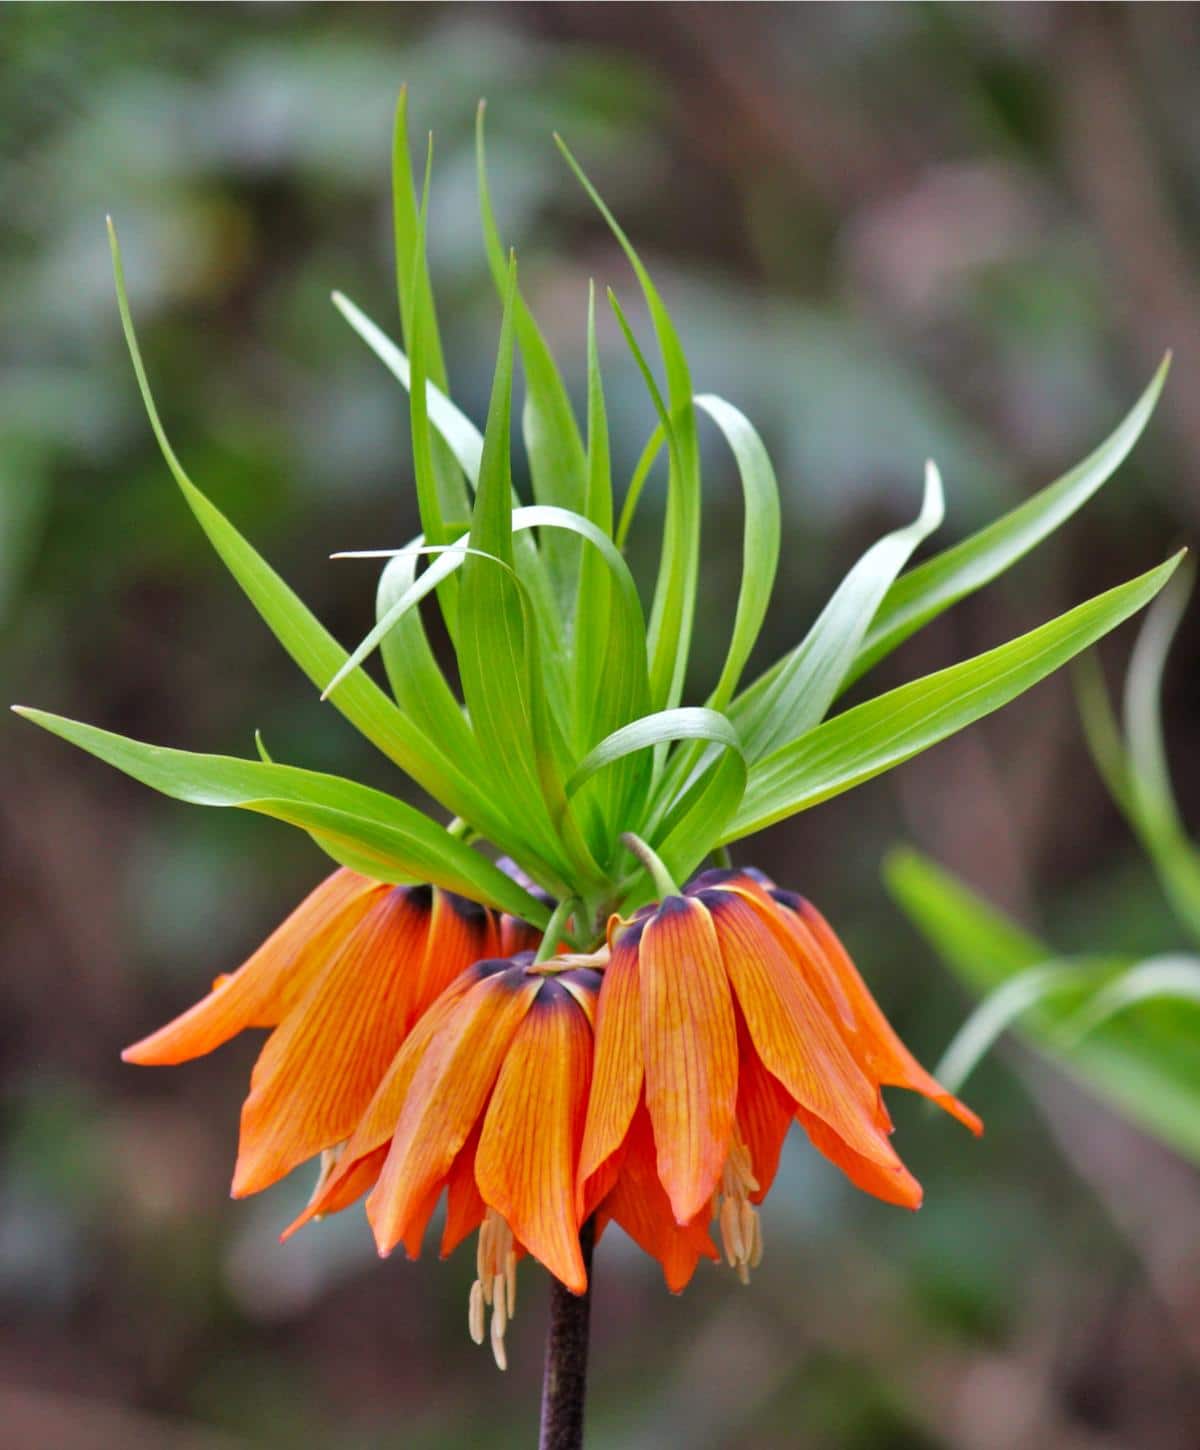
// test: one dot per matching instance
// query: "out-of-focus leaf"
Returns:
(794, 694)
(1173, 976)
(884, 732)
(360, 827)
(924, 592)
(1135, 769)
(1144, 1061)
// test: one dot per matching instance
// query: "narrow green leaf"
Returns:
(1144, 1063)
(307, 641)
(760, 539)
(934, 586)
(884, 732)
(673, 611)
(1171, 976)
(417, 309)
(999, 1011)
(374, 831)
(557, 461)
(795, 694)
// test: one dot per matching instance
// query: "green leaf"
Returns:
(1135, 770)
(461, 435)
(760, 539)
(557, 461)
(673, 611)
(418, 313)
(303, 636)
(685, 833)
(934, 586)
(363, 828)
(882, 733)
(1172, 976)
(795, 694)
(999, 1011)
(1143, 1062)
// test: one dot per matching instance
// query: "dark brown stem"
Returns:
(564, 1379)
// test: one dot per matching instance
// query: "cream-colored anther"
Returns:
(495, 1286)
(741, 1229)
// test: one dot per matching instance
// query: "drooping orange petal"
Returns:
(517, 935)
(369, 1143)
(689, 1038)
(271, 981)
(447, 1093)
(764, 1114)
(640, 1205)
(460, 932)
(791, 1030)
(529, 1149)
(893, 1184)
(618, 1072)
(320, 1067)
(337, 1190)
(464, 1206)
(872, 1038)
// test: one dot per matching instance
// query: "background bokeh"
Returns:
(885, 232)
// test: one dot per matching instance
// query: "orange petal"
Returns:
(320, 1067)
(461, 932)
(689, 1038)
(263, 989)
(448, 1091)
(640, 1205)
(893, 1184)
(370, 1141)
(791, 1030)
(529, 1149)
(764, 1114)
(338, 1189)
(464, 1206)
(869, 1034)
(617, 1074)
(517, 935)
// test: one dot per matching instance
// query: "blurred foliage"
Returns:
(887, 233)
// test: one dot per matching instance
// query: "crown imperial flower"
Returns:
(560, 1039)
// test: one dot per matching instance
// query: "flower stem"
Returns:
(557, 925)
(564, 1378)
(658, 873)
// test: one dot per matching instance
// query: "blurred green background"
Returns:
(885, 232)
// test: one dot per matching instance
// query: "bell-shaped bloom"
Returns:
(486, 1102)
(341, 983)
(725, 1013)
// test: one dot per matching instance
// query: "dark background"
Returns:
(885, 232)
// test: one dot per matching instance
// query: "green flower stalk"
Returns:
(643, 1064)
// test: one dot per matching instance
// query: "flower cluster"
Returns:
(571, 1039)
(422, 1049)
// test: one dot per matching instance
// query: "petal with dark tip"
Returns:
(791, 1031)
(689, 1038)
(873, 1039)
(618, 1071)
(448, 1091)
(529, 1149)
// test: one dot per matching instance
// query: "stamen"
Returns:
(329, 1161)
(495, 1284)
(741, 1229)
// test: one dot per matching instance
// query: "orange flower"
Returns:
(341, 982)
(485, 1100)
(725, 1013)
